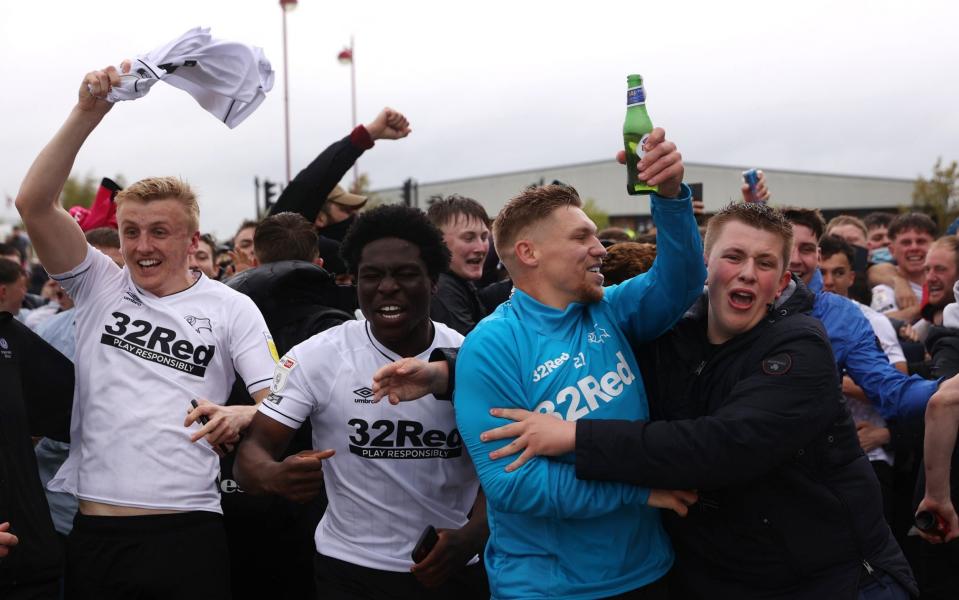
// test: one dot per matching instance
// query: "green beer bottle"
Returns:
(636, 129)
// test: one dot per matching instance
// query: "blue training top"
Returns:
(551, 534)
(857, 352)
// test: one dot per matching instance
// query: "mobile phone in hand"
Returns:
(203, 420)
(424, 546)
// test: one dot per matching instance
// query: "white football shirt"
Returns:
(140, 360)
(396, 470)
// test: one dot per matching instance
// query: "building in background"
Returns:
(605, 183)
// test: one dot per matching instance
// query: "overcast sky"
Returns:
(857, 87)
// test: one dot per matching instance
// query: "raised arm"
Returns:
(55, 235)
(309, 189)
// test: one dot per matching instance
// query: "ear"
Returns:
(318, 261)
(526, 254)
(194, 242)
(255, 262)
(783, 282)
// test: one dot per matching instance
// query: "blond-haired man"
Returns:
(151, 337)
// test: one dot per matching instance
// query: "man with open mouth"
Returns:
(389, 471)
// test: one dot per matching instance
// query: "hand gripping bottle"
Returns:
(636, 129)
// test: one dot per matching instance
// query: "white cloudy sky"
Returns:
(861, 87)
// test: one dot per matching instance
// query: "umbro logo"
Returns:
(130, 296)
(365, 395)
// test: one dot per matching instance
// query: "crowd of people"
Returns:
(353, 402)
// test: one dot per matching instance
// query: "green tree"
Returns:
(79, 191)
(938, 196)
(596, 214)
(362, 187)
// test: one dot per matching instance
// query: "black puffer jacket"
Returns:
(789, 505)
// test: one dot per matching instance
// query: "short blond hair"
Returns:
(164, 188)
(533, 205)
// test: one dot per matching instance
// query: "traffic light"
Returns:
(408, 192)
(269, 193)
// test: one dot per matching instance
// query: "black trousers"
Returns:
(340, 580)
(657, 590)
(155, 557)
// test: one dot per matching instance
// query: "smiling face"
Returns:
(156, 241)
(202, 260)
(940, 274)
(804, 258)
(837, 274)
(745, 276)
(468, 241)
(394, 287)
(909, 249)
(568, 258)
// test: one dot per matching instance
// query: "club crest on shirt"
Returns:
(199, 323)
(598, 335)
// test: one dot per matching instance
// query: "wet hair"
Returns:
(400, 222)
(625, 260)
(443, 211)
(284, 236)
(915, 221)
(878, 219)
(163, 188)
(810, 217)
(754, 214)
(830, 245)
(103, 237)
(531, 206)
(847, 220)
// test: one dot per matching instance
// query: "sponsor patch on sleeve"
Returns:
(282, 372)
(272, 347)
(778, 364)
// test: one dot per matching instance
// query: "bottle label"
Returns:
(635, 96)
(637, 148)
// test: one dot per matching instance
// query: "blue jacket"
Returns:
(552, 535)
(858, 354)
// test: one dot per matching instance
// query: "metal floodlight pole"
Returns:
(287, 6)
(356, 167)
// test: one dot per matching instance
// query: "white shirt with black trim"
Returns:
(140, 360)
(396, 470)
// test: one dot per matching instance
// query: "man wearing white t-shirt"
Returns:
(151, 337)
(390, 471)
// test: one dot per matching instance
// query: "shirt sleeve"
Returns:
(649, 304)
(89, 276)
(250, 345)
(291, 399)
(896, 395)
(486, 377)
(768, 416)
